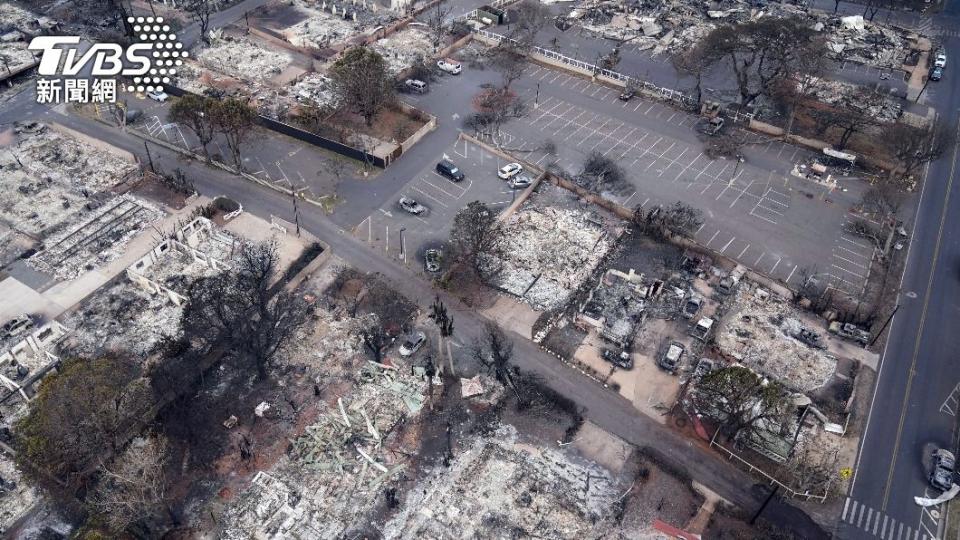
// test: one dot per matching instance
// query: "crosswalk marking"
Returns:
(878, 524)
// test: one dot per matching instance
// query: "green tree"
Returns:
(77, 416)
(362, 82)
(741, 402)
(198, 114)
(235, 120)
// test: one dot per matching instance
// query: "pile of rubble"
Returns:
(324, 23)
(677, 26)
(314, 88)
(241, 58)
(53, 187)
(16, 494)
(15, 57)
(550, 251)
(99, 239)
(336, 470)
(846, 96)
(405, 48)
(120, 318)
(499, 484)
(765, 333)
(17, 24)
(333, 336)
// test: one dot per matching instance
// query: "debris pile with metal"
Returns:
(242, 58)
(550, 250)
(120, 318)
(501, 484)
(676, 26)
(58, 191)
(326, 24)
(334, 473)
(405, 48)
(765, 333)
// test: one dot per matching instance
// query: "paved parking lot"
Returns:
(755, 212)
(406, 236)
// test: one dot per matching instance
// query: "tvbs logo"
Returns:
(148, 63)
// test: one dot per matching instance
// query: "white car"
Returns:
(450, 66)
(412, 206)
(157, 95)
(412, 344)
(940, 61)
(416, 85)
(509, 170)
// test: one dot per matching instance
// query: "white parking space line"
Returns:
(791, 274)
(581, 126)
(427, 195)
(722, 250)
(949, 405)
(711, 238)
(851, 272)
(774, 269)
(740, 256)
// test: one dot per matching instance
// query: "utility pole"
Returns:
(753, 519)
(925, 83)
(149, 158)
(884, 327)
(296, 209)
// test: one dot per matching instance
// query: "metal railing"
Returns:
(754, 469)
(649, 88)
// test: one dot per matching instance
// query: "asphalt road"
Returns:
(915, 403)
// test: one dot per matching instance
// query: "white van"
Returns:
(416, 85)
(450, 66)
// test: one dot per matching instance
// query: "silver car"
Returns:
(520, 181)
(411, 206)
(412, 344)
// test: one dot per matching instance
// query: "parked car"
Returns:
(432, 259)
(520, 181)
(157, 95)
(412, 343)
(716, 124)
(702, 329)
(622, 359)
(627, 94)
(670, 359)
(509, 170)
(450, 66)
(412, 206)
(936, 74)
(941, 474)
(415, 85)
(448, 169)
(692, 307)
(940, 60)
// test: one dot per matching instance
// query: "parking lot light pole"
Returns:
(403, 252)
(536, 102)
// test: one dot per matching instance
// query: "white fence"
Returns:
(807, 496)
(647, 88)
